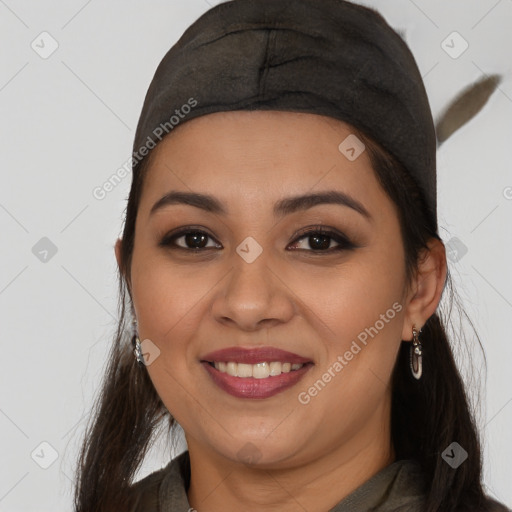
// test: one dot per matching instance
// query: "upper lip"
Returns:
(254, 355)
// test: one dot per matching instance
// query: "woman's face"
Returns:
(254, 282)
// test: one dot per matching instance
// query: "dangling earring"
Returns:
(415, 356)
(137, 348)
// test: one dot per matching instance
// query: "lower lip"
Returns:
(249, 387)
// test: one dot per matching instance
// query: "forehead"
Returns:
(260, 156)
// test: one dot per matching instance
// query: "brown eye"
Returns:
(316, 240)
(193, 240)
(320, 239)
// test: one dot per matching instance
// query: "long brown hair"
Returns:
(426, 417)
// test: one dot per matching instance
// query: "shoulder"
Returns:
(495, 506)
(410, 481)
(146, 493)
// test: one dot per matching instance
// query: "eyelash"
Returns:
(344, 243)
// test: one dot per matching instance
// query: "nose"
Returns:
(253, 296)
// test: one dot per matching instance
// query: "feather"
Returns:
(465, 106)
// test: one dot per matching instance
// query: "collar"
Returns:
(398, 486)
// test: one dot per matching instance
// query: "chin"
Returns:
(259, 452)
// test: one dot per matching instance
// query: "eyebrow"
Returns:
(282, 207)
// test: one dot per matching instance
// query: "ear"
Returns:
(118, 252)
(119, 258)
(426, 288)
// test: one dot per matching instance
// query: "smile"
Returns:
(258, 371)
(255, 372)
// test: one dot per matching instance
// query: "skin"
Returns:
(293, 296)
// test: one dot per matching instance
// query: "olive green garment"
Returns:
(396, 488)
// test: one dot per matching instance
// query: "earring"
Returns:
(137, 348)
(415, 355)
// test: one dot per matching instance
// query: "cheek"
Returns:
(168, 315)
(344, 300)
(358, 311)
(168, 306)
(166, 297)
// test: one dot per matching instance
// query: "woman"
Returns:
(282, 268)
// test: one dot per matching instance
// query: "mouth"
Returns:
(255, 373)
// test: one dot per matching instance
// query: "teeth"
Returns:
(258, 371)
(231, 369)
(275, 368)
(244, 370)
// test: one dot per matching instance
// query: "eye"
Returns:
(191, 240)
(320, 238)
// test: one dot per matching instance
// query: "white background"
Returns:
(67, 124)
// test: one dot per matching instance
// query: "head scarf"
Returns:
(328, 57)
